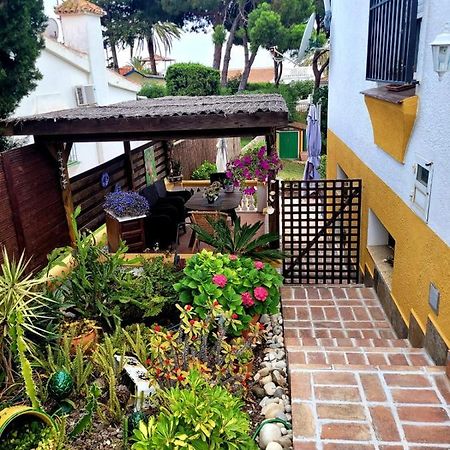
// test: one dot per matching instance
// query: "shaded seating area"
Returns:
(158, 122)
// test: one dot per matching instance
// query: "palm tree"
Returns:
(160, 36)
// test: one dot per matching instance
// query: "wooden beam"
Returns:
(60, 153)
(159, 136)
(272, 185)
(120, 126)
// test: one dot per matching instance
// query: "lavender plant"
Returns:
(123, 204)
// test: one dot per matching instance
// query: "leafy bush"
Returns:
(242, 286)
(240, 241)
(153, 90)
(198, 416)
(192, 79)
(323, 167)
(198, 344)
(204, 171)
(148, 293)
(291, 93)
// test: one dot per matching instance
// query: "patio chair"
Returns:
(200, 218)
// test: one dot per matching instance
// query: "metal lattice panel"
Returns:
(320, 223)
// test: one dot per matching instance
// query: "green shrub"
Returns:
(192, 79)
(291, 93)
(241, 285)
(197, 416)
(152, 90)
(323, 167)
(204, 171)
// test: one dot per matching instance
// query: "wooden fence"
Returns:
(89, 193)
(32, 217)
(192, 152)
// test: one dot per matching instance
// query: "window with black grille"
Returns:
(392, 43)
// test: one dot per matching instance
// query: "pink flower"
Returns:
(233, 257)
(247, 299)
(260, 293)
(249, 190)
(219, 280)
(259, 265)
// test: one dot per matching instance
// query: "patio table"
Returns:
(227, 202)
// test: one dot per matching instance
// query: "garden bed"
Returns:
(147, 357)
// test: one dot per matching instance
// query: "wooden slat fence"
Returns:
(32, 214)
(87, 190)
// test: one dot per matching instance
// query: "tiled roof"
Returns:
(79, 6)
(257, 74)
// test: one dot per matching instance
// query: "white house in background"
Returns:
(74, 73)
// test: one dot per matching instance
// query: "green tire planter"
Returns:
(8, 415)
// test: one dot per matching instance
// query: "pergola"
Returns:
(167, 118)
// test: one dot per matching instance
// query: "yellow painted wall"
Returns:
(421, 256)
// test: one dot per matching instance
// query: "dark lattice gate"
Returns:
(320, 231)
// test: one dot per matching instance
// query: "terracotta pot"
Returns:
(87, 341)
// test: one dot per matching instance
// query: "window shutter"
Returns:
(392, 40)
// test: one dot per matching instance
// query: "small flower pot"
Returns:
(87, 341)
(212, 199)
(229, 188)
(175, 178)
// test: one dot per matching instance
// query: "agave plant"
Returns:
(22, 303)
(240, 240)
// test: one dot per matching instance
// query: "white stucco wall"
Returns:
(63, 68)
(349, 118)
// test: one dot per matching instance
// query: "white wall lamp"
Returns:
(441, 52)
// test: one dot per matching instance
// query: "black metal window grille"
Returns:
(392, 43)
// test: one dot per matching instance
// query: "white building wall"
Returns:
(349, 118)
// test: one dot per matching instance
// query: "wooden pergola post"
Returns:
(60, 153)
(273, 200)
(129, 165)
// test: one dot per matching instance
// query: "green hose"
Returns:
(287, 425)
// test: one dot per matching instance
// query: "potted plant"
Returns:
(254, 165)
(175, 174)
(212, 192)
(228, 185)
(126, 205)
(82, 333)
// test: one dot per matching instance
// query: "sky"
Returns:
(192, 47)
(198, 47)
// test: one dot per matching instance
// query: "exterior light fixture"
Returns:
(441, 52)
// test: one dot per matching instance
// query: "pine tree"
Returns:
(21, 25)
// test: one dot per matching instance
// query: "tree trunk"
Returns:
(229, 46)
(217, 56)
(248, 61)
(318, 71)
(151, 53)
(114, 56)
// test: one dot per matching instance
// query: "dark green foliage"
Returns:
(27, 436)
(85, 421)
(204, 171)
(323, 167)
(291, 93)
(192, 79)
(240, 241)
(153, 90)
(134, 419)
(22, 22)
(146, 295)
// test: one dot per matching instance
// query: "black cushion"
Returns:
(161, 188)
(151, 194)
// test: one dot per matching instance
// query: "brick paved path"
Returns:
(354, 385)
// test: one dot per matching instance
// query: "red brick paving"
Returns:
(354, 385)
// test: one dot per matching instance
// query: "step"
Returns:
(358, 356)
(370, 408)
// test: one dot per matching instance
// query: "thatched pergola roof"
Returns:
(167, 117)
